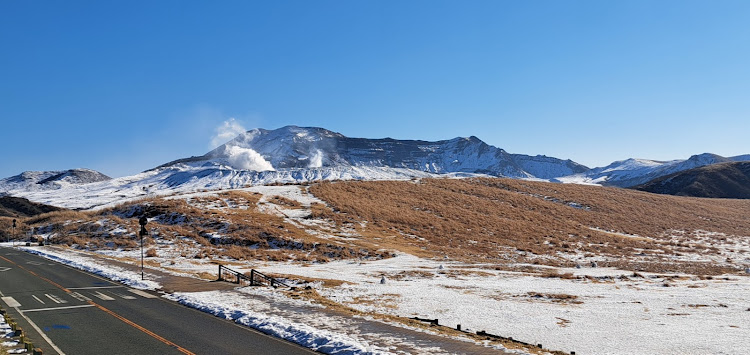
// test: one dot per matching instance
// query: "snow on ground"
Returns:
(612, 312)
(605, 311)
(268, 311)
(228, 306)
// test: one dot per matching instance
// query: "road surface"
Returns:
(68, 311)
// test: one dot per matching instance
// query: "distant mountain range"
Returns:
(50, 180)
(298, 154)
(632, 172)
(723, 180)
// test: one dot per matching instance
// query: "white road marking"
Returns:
(56, 308)
(142, 294)
(37, 298)
(11, 302)
(127, 297)
(93, 287)
(4, 269)
(79, 297)
(55, 298)
(102, 296)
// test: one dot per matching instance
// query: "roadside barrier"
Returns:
(19, 333)
(481, 333)
(256, 278)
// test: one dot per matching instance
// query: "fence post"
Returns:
(252, 277)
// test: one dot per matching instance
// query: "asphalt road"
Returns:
(67, 311)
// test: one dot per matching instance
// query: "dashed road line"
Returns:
(38, 299)
(55, 299)
(11, 302)
(142, 294)
(127, 297)
(102, 296)
(79, 296)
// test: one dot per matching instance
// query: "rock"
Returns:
(593, 264)
(382, 280)
(440, 267)
(747, 271)
(578, 266)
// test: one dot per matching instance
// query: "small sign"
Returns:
(143, 221)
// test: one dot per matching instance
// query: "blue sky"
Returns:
(124, 86)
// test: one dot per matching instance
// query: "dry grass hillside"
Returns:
(497, 220)
(501, 222)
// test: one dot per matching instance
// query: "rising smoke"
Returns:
(246, 159)
(239, 157)
(226, 132)
(316, 159)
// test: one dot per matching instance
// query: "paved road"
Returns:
(68, 311)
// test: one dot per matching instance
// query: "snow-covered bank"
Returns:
(220, 305)
(114, 273)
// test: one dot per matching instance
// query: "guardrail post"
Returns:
(252, 277)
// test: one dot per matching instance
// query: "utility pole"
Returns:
(143, 232)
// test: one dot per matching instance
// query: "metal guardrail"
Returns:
(256, 278)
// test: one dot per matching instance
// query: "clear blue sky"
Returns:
(123, 86)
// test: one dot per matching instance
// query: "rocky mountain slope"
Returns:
(723, 180)
(293, 147)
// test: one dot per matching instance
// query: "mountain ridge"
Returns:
(721, 180)
(293, 154)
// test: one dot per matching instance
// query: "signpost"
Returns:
(143, 232)
(14, 232)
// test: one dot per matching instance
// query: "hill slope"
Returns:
(21, 207)
(724, 180)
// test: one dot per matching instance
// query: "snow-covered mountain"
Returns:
(288, 155)
(295, 154)
(632, 172)
(50, 180)
(295, 147)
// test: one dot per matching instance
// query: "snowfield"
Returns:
(608, 311)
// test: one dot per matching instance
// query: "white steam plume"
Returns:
(226, 132)
(246, 159)
(316, 160)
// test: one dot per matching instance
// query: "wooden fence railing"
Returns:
(256, 278)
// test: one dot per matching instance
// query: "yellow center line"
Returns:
(125, 320)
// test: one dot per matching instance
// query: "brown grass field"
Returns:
(495, 220)
(501, 222)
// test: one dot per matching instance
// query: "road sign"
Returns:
(143, 220)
